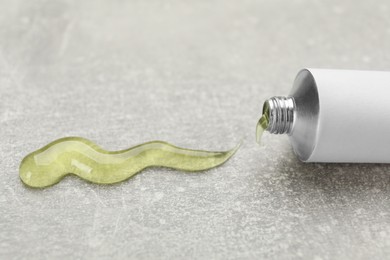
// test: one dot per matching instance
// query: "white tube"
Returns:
(338, 116)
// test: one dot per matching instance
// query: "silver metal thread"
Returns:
(281, 115)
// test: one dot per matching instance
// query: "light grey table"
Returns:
(194, 73)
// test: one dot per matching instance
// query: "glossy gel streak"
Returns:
(81, 157)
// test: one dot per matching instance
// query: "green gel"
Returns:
(263, 123)
(81, 157)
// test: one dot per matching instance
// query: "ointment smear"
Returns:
(81, 157)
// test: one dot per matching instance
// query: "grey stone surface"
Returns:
(194, 73)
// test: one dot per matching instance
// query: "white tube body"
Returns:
(353, 121)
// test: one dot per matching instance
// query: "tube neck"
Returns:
(280, 112)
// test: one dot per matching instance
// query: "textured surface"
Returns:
(193, 73)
